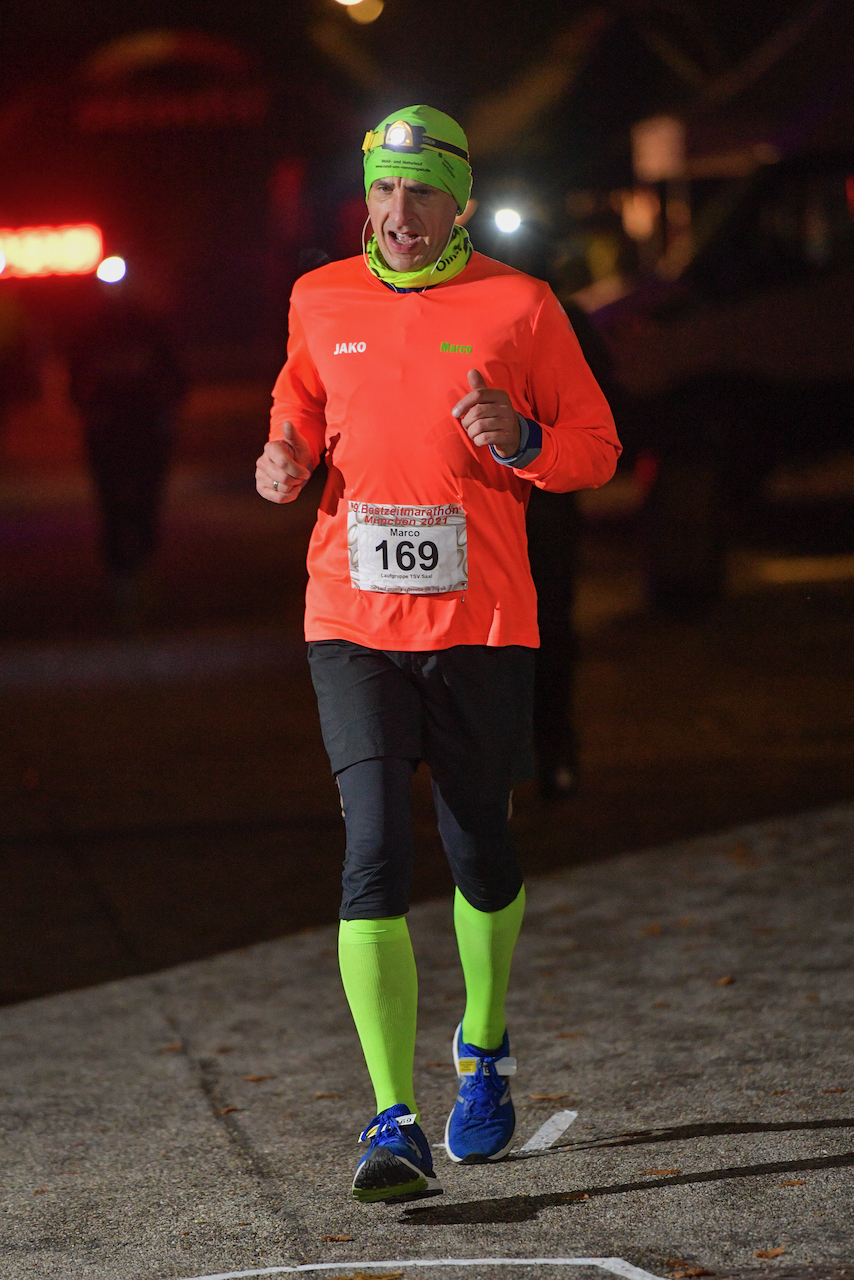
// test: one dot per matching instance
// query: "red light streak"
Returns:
(51, 251)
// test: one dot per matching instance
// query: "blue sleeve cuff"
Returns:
(530, 445)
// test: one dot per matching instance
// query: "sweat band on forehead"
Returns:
(421, 143)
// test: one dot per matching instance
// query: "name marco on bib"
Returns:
(407, 550)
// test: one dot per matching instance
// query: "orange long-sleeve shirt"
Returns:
(371, 378)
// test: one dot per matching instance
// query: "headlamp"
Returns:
(401, 136)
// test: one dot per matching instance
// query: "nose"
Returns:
(401, 206)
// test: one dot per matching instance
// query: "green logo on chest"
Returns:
(458, 348)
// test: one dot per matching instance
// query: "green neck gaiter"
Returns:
(451, 263)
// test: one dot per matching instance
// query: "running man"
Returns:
(440, 386)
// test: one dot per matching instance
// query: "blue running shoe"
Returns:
(483, 1122)
(398, 1164)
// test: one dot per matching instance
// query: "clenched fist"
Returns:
(284, 466)
(488, 416)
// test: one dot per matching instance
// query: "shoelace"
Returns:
(483, 1091)
(390, 1125)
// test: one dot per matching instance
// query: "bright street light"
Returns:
(111, 270)
(507, 220)
(364, 11)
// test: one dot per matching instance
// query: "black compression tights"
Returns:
(376, 800)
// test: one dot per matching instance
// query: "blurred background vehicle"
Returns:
(736, 363)
(720, 279)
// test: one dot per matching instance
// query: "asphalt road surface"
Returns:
(682, 1017)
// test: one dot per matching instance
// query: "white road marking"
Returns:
(550, 1131)
(616, 1266)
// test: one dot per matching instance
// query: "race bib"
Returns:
(415, 550)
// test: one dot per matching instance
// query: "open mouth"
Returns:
(403, 241)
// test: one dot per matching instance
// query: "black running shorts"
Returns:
(466, 711)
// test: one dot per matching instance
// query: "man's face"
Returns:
(412, 221)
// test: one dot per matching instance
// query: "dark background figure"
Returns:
(18, 363)
(554, 529)
(127, 383)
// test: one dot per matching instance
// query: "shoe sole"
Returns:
(472, 1158)
(377, 1182)
(418, 1190)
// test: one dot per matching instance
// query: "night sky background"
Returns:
(451, 54)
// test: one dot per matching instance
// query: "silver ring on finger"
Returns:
(275, 486)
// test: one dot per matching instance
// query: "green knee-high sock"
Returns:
(381, 985)
(486, 940)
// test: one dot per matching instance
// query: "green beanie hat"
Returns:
(422, 143)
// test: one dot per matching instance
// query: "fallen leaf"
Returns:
(685, 922)
(548, 1097)
(813, 995)
(569, 1035)
(40, 1191)
(661, 1173)
(692, 1272)
(226, 1048)
(769, 1253)
(336, 1239)
(329, 1095)
(726, 981)
(225, 1111)
(257, 1079)
(171, 1048)
(778, 1093)
(793, 1182)
(244, 1224)
(740, 853)
(660, 1004)
(578, 1195)
(369, 1275)
(833, 1090)
(651, 930)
